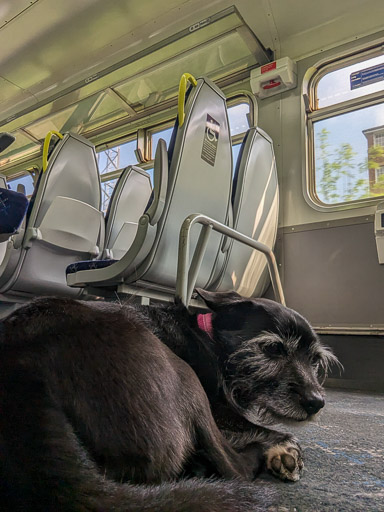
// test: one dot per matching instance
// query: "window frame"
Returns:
(159, 127)
(314, 114)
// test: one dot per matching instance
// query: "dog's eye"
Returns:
(316, 359)
(273, 349)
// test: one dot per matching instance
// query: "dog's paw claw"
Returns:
(285, 461)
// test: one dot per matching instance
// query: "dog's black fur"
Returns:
(92, 395)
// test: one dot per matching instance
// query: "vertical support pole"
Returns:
(197, 259)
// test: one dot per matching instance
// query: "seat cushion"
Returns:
(13, 207)
(88, 265)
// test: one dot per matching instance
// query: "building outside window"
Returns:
(375, 152)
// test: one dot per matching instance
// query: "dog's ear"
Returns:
(217, 300)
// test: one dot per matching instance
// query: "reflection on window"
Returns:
(351, 82)
(23, 184)
(348, 155)
(163, 134)
(238, 118)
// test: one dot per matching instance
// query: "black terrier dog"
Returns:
(93, 395)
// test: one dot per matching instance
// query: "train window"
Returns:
(235, 154)
(346, 132)
(155, 135)
(111, 162)
(238, 118)
(239, 121)
(351, 82)
(22, 184)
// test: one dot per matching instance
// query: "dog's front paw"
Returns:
(285, 461)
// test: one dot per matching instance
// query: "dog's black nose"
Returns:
(312, 403)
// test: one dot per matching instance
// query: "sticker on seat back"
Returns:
(211, 140)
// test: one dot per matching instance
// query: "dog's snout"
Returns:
(312, 403)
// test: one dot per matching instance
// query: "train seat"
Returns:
(13, 207)
(255, 202)
(128, 202)
(199, 181)
(63, 223)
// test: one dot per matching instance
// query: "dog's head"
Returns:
(271, 360)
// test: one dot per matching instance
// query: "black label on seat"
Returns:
(211, 139)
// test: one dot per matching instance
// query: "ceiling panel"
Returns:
(223, 47)
(306, 27)
(10, 9)
(13, 97)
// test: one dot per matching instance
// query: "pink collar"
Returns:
(205, 323)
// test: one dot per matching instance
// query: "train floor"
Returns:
(344, 458)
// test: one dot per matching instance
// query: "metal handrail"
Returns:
(186, 277)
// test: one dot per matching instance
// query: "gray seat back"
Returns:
(128, 202)
(200, 177)
(64, 222)
(72, 172)
(255, 214)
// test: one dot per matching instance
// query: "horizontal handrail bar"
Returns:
(186, 278)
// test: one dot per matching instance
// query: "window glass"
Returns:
(235, 155)
(351, 82)
(347, 141)
(163, 134)
(238, 118)
(107, 188)
(25, 181)
(112, 160)
(349, 150)
(150, 172)
(118, 157)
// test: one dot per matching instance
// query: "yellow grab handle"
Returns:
(185, 78)
(47, 140)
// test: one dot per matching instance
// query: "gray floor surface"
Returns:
(344, 458)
